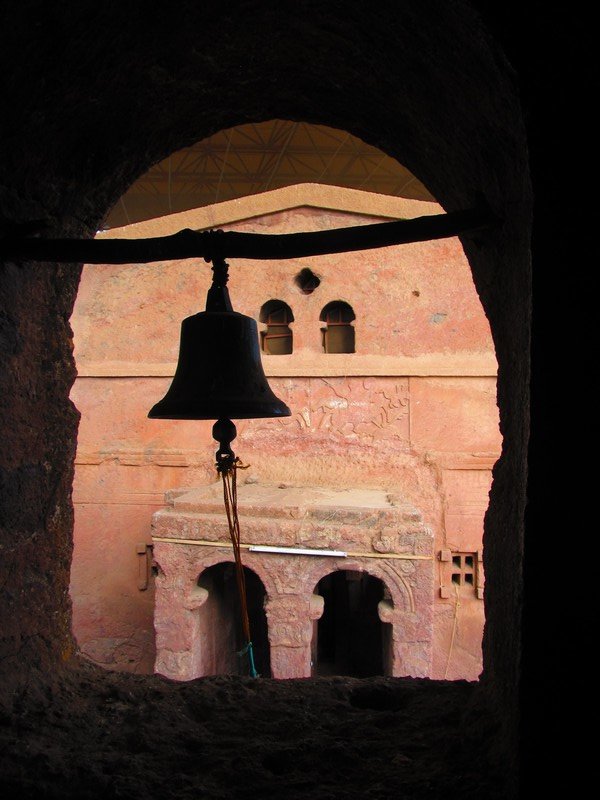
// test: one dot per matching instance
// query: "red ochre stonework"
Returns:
(341, 520)
(411, 414)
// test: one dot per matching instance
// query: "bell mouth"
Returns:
(229, 411)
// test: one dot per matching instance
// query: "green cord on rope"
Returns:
(249, 648)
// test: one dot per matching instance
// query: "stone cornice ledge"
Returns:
(322, 365)
(310, 195)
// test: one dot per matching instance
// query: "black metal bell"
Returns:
(219, 373)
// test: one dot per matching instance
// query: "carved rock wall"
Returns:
(415, 402)
(302, 517)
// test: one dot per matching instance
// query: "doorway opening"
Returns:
(349, 638)
(221, 638)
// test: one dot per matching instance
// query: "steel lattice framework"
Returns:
(255, 158)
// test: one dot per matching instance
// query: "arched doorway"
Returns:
(349, 638)
(220, 638)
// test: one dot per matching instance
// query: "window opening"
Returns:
(277, 339)
(338, 335)
(463, 569)
(307, 281)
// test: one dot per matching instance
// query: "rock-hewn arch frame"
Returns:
(179, 571)
(421, 82)
(405, 651)
(256, 622)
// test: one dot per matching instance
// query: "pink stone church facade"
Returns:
(387, 456)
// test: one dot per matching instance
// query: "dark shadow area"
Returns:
(350, 638)
(109, 735)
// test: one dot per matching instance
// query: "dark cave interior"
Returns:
(351, 640)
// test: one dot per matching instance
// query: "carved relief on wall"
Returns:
(359, 410)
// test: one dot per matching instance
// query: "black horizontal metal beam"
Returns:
(232, 244)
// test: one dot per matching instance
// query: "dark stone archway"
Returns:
(220, 631)
(97, 94)
(350, 638)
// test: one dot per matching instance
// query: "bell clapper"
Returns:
(224, 432)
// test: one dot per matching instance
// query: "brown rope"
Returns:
(229, 477)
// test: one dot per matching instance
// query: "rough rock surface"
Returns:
(122, 736)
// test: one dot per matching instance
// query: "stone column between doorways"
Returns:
(290, 635)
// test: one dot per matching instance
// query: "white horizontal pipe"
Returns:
(296, 551)
(340, 553)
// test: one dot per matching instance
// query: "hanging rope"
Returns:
(227, 466)
(454, 625)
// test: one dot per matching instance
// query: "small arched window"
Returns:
(338, 335)
(277, 339)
